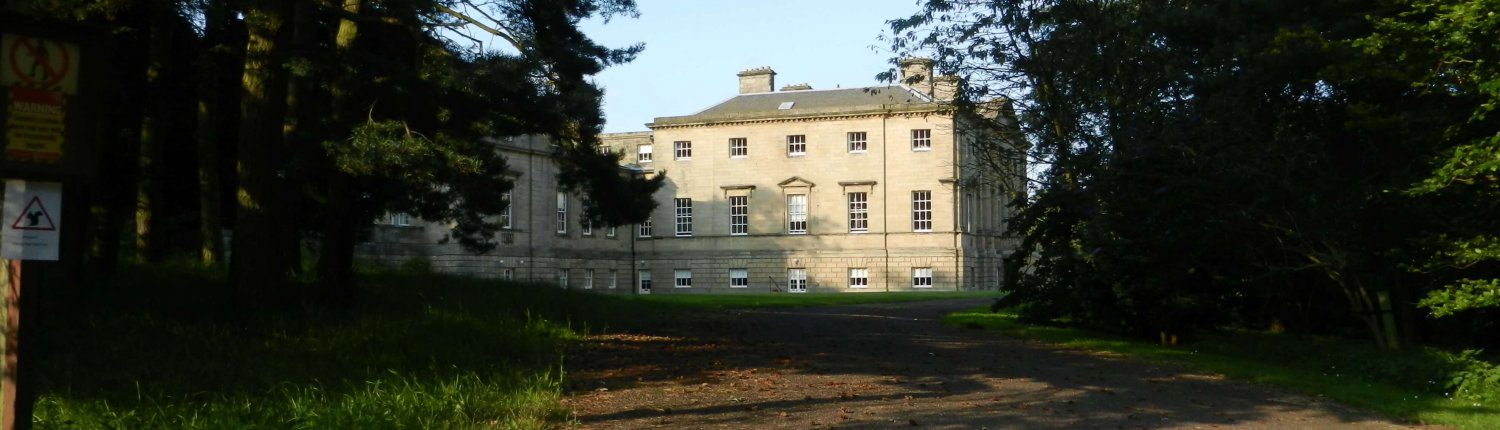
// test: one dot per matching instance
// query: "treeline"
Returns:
(294, 124)
(1315, 166)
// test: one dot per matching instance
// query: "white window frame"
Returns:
(739, 147)
(644, 228)
(614, 279)
(739, 278)
(921, 139)
(859, 277)
(859, 142)
(609, 231)
(588, 224)
(588, 279)
(796, 145)
(643, 285)
(682, 278)
(921, 211)
(859, 212)
(505, 221)
(398, 219)
(682, 150)
(796, 280)
(921, 277)
(562, 213)
(643, 154)
(739, 215)
(562, 278)
(796, 213)
(507, 273)
(683, 208)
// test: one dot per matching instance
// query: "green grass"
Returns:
(160, 348)
(1407, 385)
(785, 300)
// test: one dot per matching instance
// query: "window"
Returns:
(507, 273)
(859, 278)
(921, 211)
(739, 147)
(921, 140)
(858, 142)
(610, 232)
(739, 215)
(562, 213)
(796, 214)
(645, 281)
(684, 217)
(505, 215)
(583, 220)
(859, 213)
(785, 105)
(399, 219)
(683, 149)
(739, 278)
(588, 279)
(644, 228)
(796, 145)
(613, 281)
(682, 278)
(562, 278)
(796, 280)
(643, 154)
(921, 277)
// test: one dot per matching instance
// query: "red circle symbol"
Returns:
(41, 70)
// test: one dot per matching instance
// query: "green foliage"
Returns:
(1464, 295)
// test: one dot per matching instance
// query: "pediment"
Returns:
(794, 182)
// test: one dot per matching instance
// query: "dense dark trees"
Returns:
(296, 123)
(1269, 163)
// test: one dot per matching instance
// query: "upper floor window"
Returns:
(921, 139)
(643, 154)
(684, 217)
(584, 221)
(739, 147)
(796, 145)
(858, 141)
(644, 228)
(921, 210)
(505, 214)
(739, 215)
(859, 212)
(683, 149)
(562, 213)
(398, 219)
(610, 231)
(796, 213)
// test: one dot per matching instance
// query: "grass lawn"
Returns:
(787, 300)
(1407, 385)
(158, 348)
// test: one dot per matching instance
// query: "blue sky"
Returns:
(694, 48)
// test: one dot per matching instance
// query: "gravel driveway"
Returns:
(894, 365)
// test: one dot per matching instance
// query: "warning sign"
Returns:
(35, 125)
(38, 63)
(32, 212)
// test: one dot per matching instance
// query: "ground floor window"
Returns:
(562, 278)
(859, 277)
(739, 278)
(645, 281)
(921, 277)
(796, 280)
(588, 279)
(613, 279)
(508, 274)
(682, 278)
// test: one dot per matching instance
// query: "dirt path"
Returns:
(894, 365)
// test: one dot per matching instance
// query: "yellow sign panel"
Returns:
(34, 125)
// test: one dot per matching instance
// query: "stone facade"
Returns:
(736, 174)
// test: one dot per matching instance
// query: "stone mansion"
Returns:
(796, 190)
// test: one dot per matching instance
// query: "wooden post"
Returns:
(10, 282)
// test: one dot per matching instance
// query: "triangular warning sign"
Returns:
(34, 217)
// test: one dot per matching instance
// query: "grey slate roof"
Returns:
(808, 103)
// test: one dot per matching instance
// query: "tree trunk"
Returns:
(260, 264)
(149, 199)
(212, 62)
(336, 263)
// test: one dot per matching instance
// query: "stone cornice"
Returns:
(872, 113)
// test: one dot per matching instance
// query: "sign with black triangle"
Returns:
(34, 217)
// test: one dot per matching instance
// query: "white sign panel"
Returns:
(38, 63)
(32, 220)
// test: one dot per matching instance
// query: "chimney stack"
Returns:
(757, 80)
(944, 88)
(797, 87)
(916, 72)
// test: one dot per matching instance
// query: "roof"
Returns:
(809, 103)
